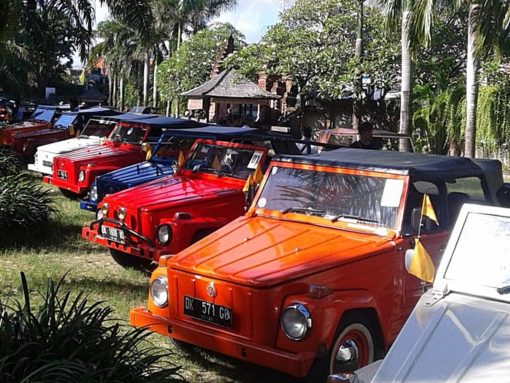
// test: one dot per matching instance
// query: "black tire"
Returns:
(356, 343)
(129, 261)
(69, 194)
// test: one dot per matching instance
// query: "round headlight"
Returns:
(296, 321)
(164, 234)
(93, 193)
(105, 208)
(121, 213)
(81, 176)
(159, 291)
(99, 214)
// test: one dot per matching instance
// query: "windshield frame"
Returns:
(352, 224)
(226, 145)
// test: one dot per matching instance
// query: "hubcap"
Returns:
(353, 349)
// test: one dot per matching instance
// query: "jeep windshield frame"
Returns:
(224, 159)
(98, 128)
(128, 134)
(329, 196)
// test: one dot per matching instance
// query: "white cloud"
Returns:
(252, 18)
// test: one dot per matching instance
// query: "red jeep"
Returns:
(74, 172)
(39, 120)
(164, 216)
(68, 125)
(313, 280)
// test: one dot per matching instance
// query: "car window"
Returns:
(481, 253)
(333, 195)
(171, 146)
(127, 134)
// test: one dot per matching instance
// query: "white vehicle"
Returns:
(91, 135)
(459, 330)
(94, 132)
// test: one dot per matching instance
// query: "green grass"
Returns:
(89, 268)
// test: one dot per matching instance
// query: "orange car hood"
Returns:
(262, 252)
(172, 191)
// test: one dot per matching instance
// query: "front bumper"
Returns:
(144, 248)
(87, 205)
(64, 184)
(228, 344)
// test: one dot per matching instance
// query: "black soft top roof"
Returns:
(214, 132)
(165, 122)
(418, 165)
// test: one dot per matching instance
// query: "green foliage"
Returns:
(24, 205)
(69, 340)
(314, 43)
(192, 63)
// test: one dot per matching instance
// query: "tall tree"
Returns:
(402, 11)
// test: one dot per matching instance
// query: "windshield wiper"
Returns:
(308, 210)
(503, 290)
(347, 216)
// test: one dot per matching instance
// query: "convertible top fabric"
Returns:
(165, 122)
(214, 132)
(418, 165)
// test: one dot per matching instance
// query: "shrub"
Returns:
(70, 340)
(25, 206)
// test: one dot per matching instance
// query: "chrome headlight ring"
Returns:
(159, 291)
(296, 321)
(164, 234)
(81, 176)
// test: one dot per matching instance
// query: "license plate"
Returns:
(62, 174)
(113, 234)
(208, 312)
(49, 164)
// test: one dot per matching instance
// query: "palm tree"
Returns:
(396, 10)
(488, 28)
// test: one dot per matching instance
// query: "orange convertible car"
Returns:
(313, 278)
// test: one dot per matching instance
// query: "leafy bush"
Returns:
(25, 206)
(9, 164)
(70, 340)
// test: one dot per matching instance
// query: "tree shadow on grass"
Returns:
(234, 370)
(53, 236)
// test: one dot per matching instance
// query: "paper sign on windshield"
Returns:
(392, 193)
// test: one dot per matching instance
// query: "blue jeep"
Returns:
(163, 160)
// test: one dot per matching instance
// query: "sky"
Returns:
(251, 17)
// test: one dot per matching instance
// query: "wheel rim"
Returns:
(354, 348)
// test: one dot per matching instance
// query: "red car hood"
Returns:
(263, 252)
(38, 133)
(23, 125)
(94, 154)
(173, 191)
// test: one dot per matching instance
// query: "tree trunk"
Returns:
(121, 91)
(358, 52)
(146, 64)
(471, 86)
(139, 83)
(407, 82)
(115, 104)
(155, 84)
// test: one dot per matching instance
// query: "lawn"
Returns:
(61, 253)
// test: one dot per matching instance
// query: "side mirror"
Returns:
(415, 219)
(408, 257)
(503, 195)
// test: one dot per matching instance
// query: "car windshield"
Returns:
(65, 120)
(169, 147)
(43, 114)
(374, 200)
(481, 254)
(127, 134)
(95, 128)
(223, 160)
